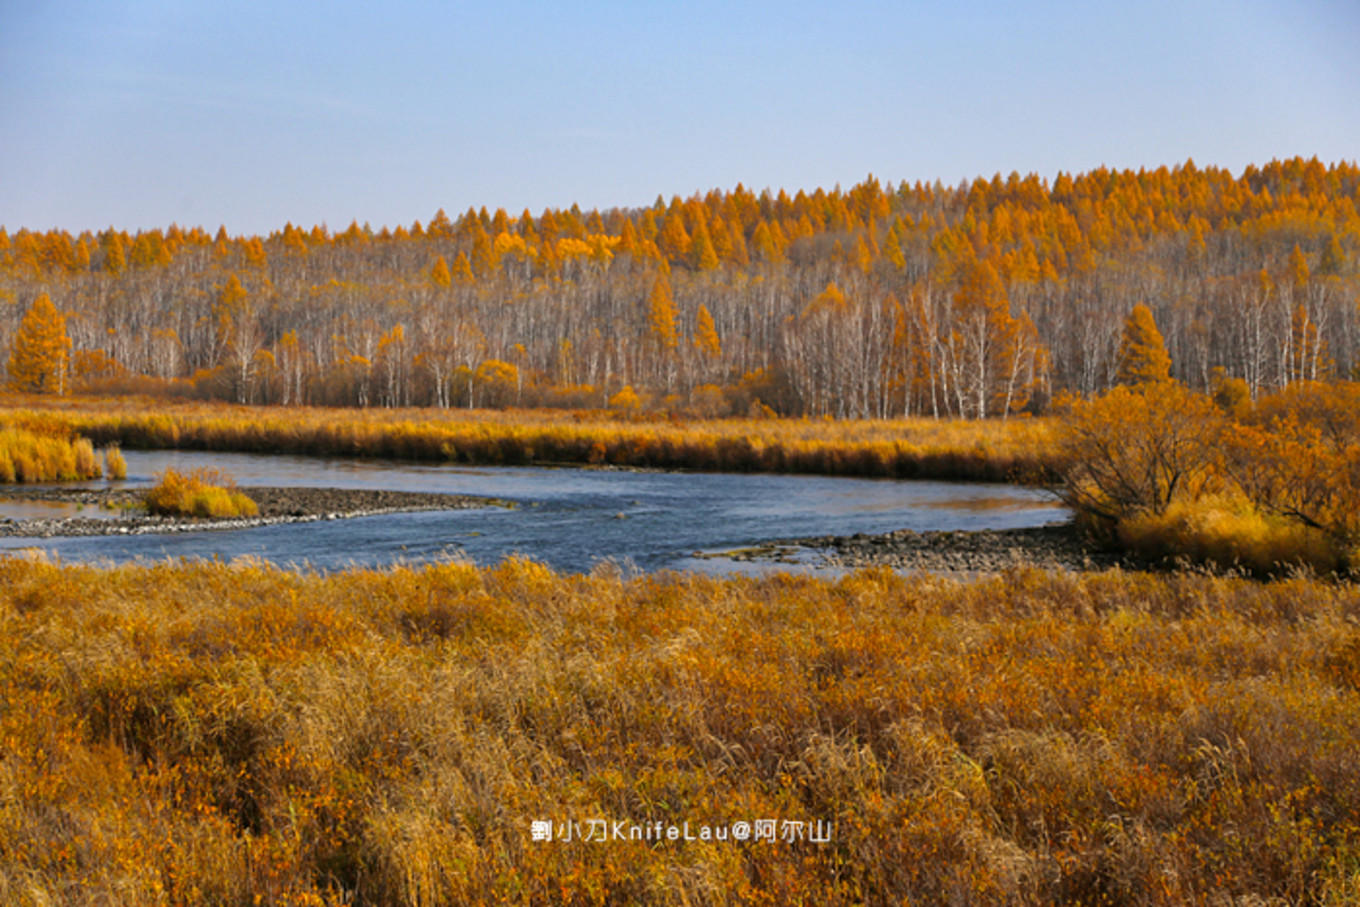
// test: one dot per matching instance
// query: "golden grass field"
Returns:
(1017, 449)
(219, 734)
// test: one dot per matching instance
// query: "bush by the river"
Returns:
(29, 456)
(200, 493)
(1169, 473)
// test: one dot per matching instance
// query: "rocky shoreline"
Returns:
(1053, 547)
(276, 505)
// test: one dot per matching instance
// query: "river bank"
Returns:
(1054, 547)
(984, 551)
(276, 505)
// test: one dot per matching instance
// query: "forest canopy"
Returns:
(982, 299)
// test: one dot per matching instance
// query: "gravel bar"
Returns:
(277, 505)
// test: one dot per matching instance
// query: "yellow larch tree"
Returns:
(706, 335)
(703, 257)
(674, 240)
(1142, 352)
(41, 354)
(439, 274)
(115, 259)
(462, 269)
(661, 313)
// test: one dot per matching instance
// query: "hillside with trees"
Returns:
(983, 299)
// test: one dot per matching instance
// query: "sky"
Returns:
(252, 114)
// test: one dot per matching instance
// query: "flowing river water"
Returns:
(569, 519)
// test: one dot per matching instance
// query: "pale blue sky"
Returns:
(250, 114)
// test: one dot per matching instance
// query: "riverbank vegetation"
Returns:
(223, 734)
(994, 450)
(198, 493)
(1168, 473)
(115, 466)
(976, 300)
(45, 456)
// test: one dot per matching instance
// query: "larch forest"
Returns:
(984, 299)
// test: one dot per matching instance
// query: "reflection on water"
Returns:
(18, 509)
(981, 504)
(567, 518)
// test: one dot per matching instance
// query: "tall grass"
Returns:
(28, 456)
(1229, 531)
(915, 448)
(199, 493)
(212, 734)
(115, 466)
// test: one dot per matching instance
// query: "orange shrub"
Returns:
(1135, 451)
(1166, 473)
(201, 493)
(45, 456)
(115, 467)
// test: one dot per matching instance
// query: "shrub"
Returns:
(115, 467)
(86, 463)
(29, 456)
(1301, 458)
(1136, 451)
(201, 493)
(1229, 532)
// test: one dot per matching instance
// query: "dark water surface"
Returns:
(567, 518)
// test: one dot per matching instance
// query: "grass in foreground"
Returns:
(210, 734)
(904, 448)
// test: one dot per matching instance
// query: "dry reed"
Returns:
(215, 734)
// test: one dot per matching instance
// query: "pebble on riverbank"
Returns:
(276, 505)
(1057, 546)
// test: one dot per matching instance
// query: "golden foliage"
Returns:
(706, 339)
(41, 352)
(1166, 472)
(900, 448)
(1142, 352)
(440, 275)
(44, 456)
(200, 493)
(115, 466)
(205, 734)
(1137, 450)
(661, 313)
(1001, 275)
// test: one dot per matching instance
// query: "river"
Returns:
(566, 518)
